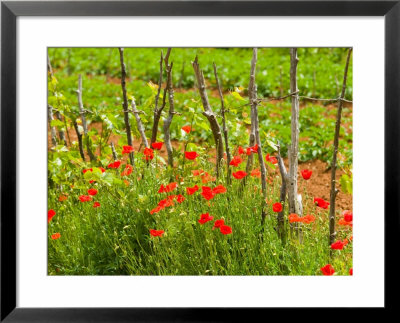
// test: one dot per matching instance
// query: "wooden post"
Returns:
(158, 111)
(224, 128)
(50, 118)
(83, 119)
(295, 205)
(280, 217)
(125, 104)
(209, 114)
(171, 111)
(254, 107)
(334, 191)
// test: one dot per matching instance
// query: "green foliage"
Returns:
(114, 238)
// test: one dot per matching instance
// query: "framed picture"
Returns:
(233, 193)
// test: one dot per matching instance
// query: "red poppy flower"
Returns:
(85, 198)
(50, 214)
(207, 193)
(127, 149)
(240, 150)
(128, 170)
(293, 217)
(156, 209)
(92, 191)
(102, 169)
(197, 172)
(148, 154)
(206, 177)
(204, 218)
(225, 229)
(157, 145)
(156, 233)
(348, 216)
(321, 202)
(338, 245)
(115, 164)
(306, 174)
(63, 198)
(256, 173)
(218, 223)
(167, 202)
(237, 160)
(253, 149)
(96, 204)
(56, 236)
(187, 129)
(179, 198)
(308, 219)
(219, 189)
(343, 222)
(271, 159)
(87, 170)
(167, 188)
(328, 270)
(92, 181)
(191, 155)
(192, 190)
(239, 174)
(277, 207)
(351, 272)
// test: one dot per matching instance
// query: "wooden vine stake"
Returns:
(282, 198)
(295, 205)
(139, 123)
(171, 111)
(83, 119)
(255, 127)
(334, 190)
(209, 114)
(125, 105)
(157, 111)
(224, 128)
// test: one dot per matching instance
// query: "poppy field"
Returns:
(200, 161)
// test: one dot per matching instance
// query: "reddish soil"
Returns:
(319, 184)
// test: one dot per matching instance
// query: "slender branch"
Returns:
(61, 133)
(209, 114)
(125, 104)
(254, 107)
(80, 142)
(171, 112)
(139, 123)
(280, 217)
(50, 118)
(332, 232)
(83, 119)
(157, 112)
(224, 127)
(253, 103)
(114, 153)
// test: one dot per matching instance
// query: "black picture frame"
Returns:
(10, 10)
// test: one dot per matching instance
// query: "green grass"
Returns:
(114, 239)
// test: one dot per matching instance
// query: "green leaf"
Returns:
(272, 144)
(107, 178)
(346, 183)
(237, 96)
(57, 123)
